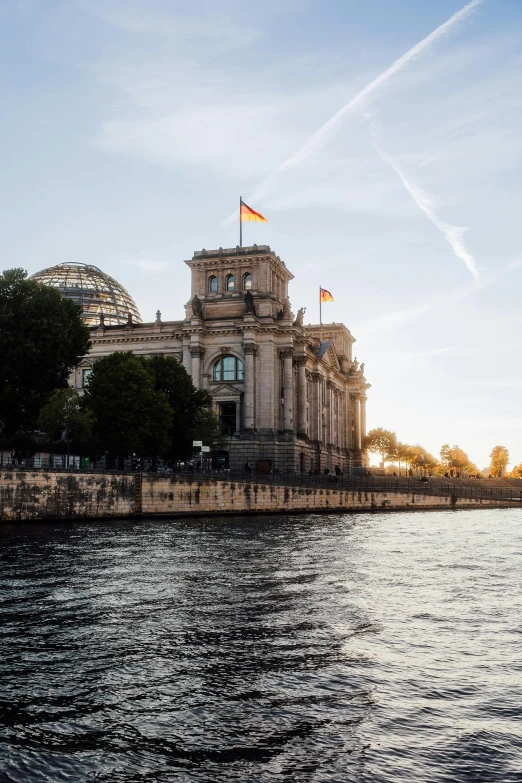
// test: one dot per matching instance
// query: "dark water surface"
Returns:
(375, 648)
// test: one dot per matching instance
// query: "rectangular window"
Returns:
(85, 377)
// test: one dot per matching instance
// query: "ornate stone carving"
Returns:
(249, 303)
(129, 319)
(301, 360)
(196, 351)
(158, 318)
(250, 348)
(300, 316)
(288, 351)
(225, 349)
(197, 307)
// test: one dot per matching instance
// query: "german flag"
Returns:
(326, 296)
(247, 213)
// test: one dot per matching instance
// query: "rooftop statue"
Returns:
(249, 303)
(197, 307)
(300, 316)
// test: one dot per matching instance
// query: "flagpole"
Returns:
(320, 308)
(240, 223)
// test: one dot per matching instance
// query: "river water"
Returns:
(377, 648)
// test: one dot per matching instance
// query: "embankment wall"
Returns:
(39, 495)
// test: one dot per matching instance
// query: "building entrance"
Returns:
(227, 417)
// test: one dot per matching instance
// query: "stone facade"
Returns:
(290, 396)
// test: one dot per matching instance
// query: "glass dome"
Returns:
(95, 292)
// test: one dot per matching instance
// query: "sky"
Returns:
(389, 168)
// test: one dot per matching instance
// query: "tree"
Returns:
(381, 441)
(130, 414)
(516, 472)
(42, 339)
(421, 459)
(445, 454)
(403, 454)
(192, 416)
(64, 417)
(499, 461)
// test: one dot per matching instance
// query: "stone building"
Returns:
(290, 396)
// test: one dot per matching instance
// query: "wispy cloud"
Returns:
(333, 125)
(148, 266)
(206, 27)
(493, 383)
(438, 350)
(394, 319)
(452, 234)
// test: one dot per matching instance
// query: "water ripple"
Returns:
(364, 649)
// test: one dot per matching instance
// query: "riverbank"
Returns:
(34, 496)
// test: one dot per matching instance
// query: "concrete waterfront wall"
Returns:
(40, 495)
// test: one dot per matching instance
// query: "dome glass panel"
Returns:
(95, 292)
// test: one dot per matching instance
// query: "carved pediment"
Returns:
(224, 390)
(330, 358)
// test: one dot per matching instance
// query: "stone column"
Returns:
(250, 351)
(363, 399)
(357, 421)
(197, 354)
(329, 412)
(301, 395)
(288, 375)
(186, 360)
(238, 416)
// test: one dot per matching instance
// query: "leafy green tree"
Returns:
(64, 416)
(192, 416)
(42, 339)
(499, 460)
(130, 414)
(381, 441)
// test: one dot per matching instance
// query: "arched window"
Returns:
(228, 368)
(213, 284)
(230, 283)
(247, 281)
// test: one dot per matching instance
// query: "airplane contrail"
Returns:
(330, 128)
(452, 234)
